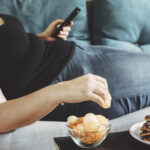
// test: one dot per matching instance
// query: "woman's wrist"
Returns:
(58, 92)
(42, 35)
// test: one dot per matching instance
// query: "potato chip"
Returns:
(71, 119)
(90, 128)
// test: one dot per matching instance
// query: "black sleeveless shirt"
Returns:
(26, 62)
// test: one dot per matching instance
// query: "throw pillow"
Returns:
(122, 20)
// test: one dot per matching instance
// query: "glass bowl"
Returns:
(89, 139)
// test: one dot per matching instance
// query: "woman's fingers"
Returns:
(100, 91)
(98, 86)
(65, 33)
(97, 99)
(62, 37)
(101, 84)
(67, 29)
(101, 79)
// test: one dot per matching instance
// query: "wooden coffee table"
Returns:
(114, 141)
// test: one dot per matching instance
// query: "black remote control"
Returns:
(73, 14)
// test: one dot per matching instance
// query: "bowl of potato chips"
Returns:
(88, 131)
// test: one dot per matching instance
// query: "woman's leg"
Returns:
(127, 73)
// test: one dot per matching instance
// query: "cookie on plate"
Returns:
(147, 118)
(145, 134)
(146, 126)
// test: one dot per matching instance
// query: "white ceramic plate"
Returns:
(135, 132)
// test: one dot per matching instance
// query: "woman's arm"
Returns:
(46, 35)
(28, 109)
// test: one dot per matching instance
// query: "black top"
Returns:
(26, 62)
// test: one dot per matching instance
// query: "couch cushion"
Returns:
(123, 20)
(120, 44)
(145, 48)
(37, 14)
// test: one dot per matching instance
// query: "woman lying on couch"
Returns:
(31, 62)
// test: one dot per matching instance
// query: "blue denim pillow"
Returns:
(122, 20)
(36, 15)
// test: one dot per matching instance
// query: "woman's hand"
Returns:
(63, 34)
(87, 87)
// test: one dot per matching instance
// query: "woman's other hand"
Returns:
(63, 34)
(87, 87)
